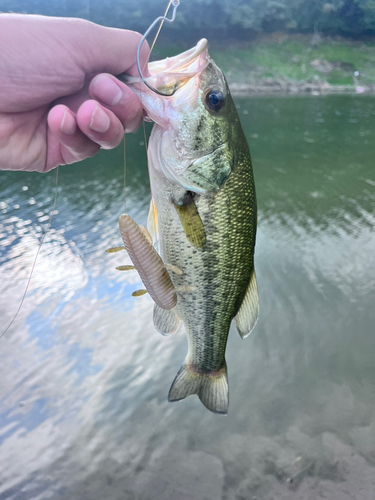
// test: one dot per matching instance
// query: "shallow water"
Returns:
(84, 376)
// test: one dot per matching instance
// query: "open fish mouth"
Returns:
(180, 62)
(171, 73)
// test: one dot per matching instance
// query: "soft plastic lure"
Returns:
(147, 262)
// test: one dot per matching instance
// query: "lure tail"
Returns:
(211, 388)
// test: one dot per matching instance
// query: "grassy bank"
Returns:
(294, 63)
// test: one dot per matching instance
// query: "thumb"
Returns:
(114, 51)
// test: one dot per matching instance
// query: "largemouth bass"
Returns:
(202, 219)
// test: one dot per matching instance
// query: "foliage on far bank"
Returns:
(298, 58)
(238, 19)
(285, 62)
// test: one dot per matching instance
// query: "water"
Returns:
(84, 376)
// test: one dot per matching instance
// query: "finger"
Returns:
(74, 101)
(67, 144)
(100, 125)
(119, 98)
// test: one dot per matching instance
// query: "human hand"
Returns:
(59, 102)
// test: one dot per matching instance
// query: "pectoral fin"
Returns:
(247, 315)
(166, 321)
(191, 223)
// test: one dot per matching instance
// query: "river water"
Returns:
(85, 377)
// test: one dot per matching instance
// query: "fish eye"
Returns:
(214, 100)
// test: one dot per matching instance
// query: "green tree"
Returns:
(218, 18)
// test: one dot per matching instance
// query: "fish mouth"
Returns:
(180, 62)
(171, 73)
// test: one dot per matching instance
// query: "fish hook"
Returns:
(175, 4)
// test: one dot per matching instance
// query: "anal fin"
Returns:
(166, 321)
(247, 315)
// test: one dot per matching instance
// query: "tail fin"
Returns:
(211, 388)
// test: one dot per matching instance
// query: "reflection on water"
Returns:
(84, 376)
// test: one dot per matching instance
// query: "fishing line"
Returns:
(145, 139)
(36, 256)
(161, 25)
(124, 154)
(140, 98)
(151, 49)
(175, 3)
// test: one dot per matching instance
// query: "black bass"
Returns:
(202, 219)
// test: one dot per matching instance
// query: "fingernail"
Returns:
(99, 120)
(106, 90)
(68, 124)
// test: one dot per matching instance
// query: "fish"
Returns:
(202, 220)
